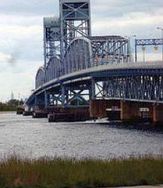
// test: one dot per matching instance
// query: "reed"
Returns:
(88, 173)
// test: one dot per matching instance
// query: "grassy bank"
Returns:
(58, 173)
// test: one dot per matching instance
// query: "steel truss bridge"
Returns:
(79, 67)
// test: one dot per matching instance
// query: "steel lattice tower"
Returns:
(75, 21)
(51, 39)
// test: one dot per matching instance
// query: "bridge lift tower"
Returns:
(51, 39)
(75, 22)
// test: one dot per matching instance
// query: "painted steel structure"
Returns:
(83, 53)
(79, 67)
(74, 20)
(51, 39)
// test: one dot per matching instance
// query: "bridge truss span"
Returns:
(147, 88)
(40, 77)
(128, 81)
(78, 55)
(79, 67)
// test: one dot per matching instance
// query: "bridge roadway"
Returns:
(104, 72)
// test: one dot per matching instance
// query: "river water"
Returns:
(34, 138)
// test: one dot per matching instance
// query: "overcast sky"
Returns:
(21, 34)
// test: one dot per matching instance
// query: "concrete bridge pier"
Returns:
(98, 108)
(136, 111)
(158, 114)
(129, 110)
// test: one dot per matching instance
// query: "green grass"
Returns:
(69, 173)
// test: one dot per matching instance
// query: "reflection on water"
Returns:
(27, 137)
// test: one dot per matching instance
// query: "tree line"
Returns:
(11, 105)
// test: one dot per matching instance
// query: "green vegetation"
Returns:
(69, 173)
(11, 105)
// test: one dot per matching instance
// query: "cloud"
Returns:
(141, 24)
(19, 79)
(30, 7)
(26, 84)
(118, 8)
(4, 57)
(26, 41)
(10, 59)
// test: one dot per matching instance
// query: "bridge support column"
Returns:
(129, 110)
(98, 107)
(92, 89)
(63, 95)
(136, 111)
(35, 100)
(158, 113)
(46, 99)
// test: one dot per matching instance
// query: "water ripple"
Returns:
(27, 137)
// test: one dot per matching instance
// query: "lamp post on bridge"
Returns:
(161, 29)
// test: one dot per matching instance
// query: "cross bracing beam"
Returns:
(136, 88)
(51, 39)
(77, 98)
(110, 49)
(77, 94)
(147, 88)
(75, 21)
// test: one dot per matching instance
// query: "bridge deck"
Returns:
(107, 70)
(104, 72)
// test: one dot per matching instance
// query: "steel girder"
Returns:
(68, 95)
(135, 87)
(80, 92)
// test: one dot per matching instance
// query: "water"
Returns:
(34, 138)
